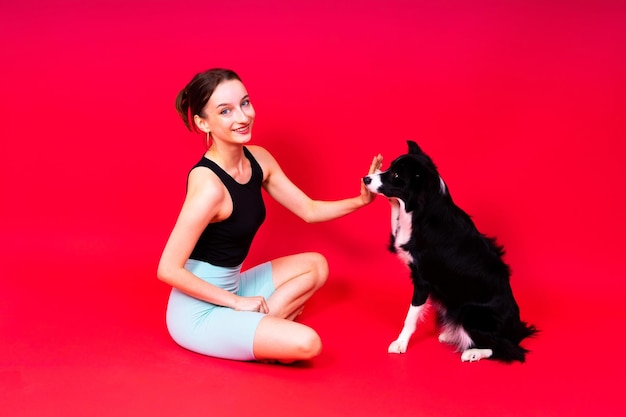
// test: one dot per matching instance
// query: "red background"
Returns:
(520, 104)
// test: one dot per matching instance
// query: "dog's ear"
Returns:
(414, 148)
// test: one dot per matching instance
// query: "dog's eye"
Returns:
(394, 175)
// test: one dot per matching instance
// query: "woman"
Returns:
(215, 308)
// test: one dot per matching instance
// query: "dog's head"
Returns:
(412, 178)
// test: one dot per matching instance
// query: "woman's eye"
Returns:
(245, 103)
(225, 111)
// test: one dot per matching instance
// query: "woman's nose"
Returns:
(242, 116)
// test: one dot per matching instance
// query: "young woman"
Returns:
(215, 308)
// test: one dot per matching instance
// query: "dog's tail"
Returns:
(526, 330)
(508, 349)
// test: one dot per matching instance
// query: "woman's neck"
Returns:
(230, 158)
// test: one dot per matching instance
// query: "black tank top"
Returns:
(227, 243)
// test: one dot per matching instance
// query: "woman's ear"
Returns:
(201, 123)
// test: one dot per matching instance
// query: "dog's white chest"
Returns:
(401, 228)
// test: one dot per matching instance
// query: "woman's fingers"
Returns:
(263, 308)
(256, 303)
(260, 305)
(376, 164)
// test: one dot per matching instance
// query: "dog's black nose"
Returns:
(367, 180)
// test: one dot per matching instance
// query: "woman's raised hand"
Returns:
(366, 195)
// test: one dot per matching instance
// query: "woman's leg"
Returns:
(285, 341)
(296, 278)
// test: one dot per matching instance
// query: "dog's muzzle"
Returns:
(372, 182)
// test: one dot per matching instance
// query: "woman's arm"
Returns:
(205, 201)
(280, 187)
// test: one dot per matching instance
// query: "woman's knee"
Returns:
(320, 267)
(308, 345)
(285, 341)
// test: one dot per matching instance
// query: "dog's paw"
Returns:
(397, 346)
(474, 355)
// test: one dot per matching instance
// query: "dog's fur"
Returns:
(454, 266)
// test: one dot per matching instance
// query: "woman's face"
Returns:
(229, 115)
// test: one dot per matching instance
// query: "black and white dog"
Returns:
(452, 264)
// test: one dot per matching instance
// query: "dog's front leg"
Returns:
(421, 291)
(410, 324)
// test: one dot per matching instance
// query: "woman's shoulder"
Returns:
(262, 155)
(257, 150)
(204, 181)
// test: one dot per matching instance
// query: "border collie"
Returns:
(456, 268)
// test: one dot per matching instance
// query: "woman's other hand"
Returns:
(256, 303)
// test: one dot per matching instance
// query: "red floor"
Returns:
(88, 339)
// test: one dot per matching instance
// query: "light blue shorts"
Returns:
(214, 330)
